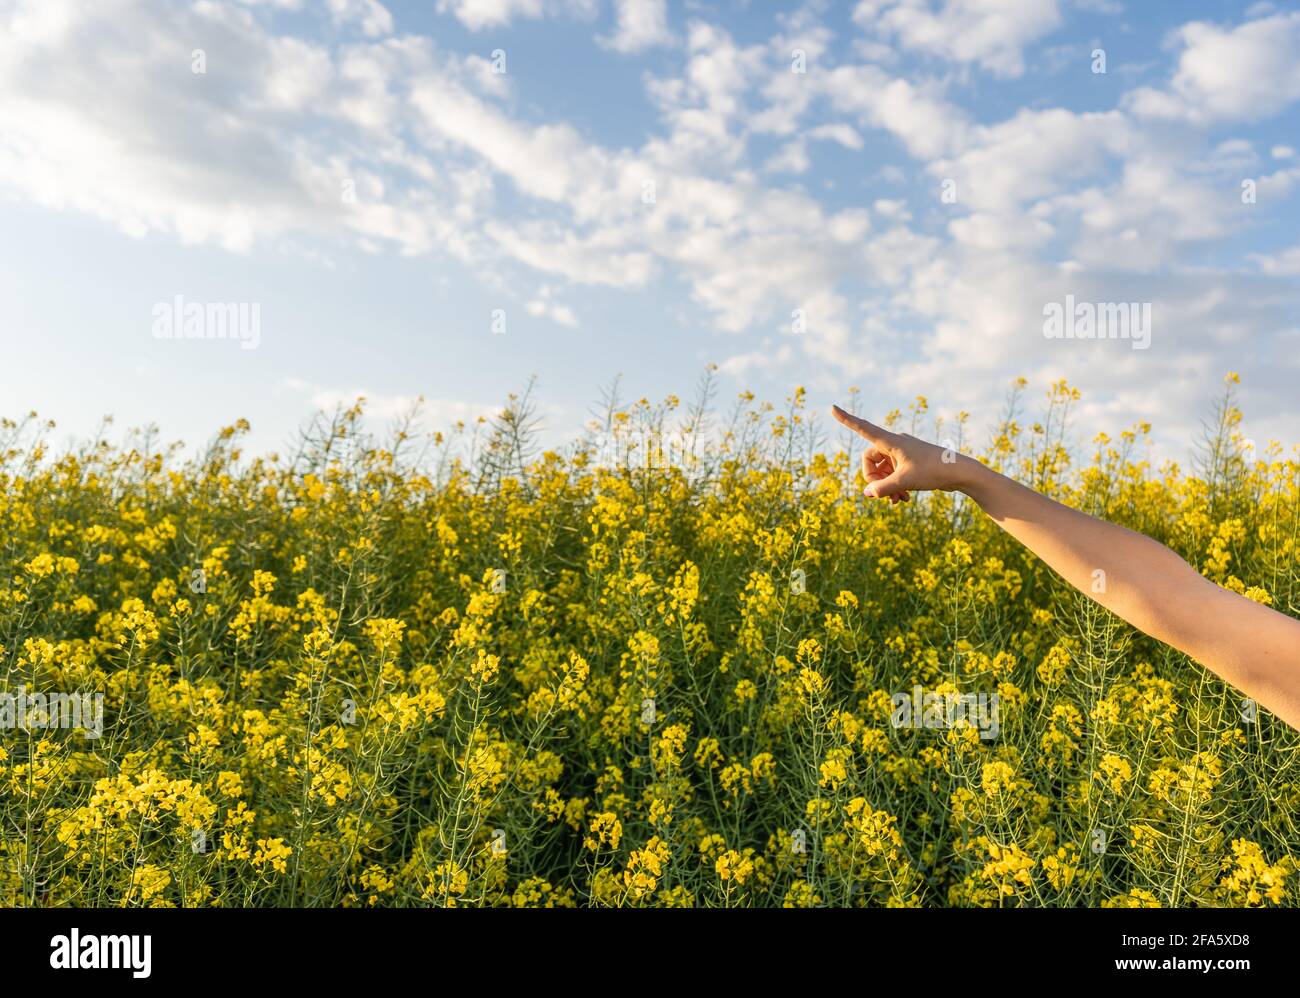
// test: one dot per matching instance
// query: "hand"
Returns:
(894, 464)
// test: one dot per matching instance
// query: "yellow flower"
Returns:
(485, 667)
(735, 866)
(274, 852)
(1251, 880)
(605, 831)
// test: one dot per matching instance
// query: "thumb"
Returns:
(891, 485)
(868, 431)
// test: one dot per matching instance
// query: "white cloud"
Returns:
(770, 358)
(1283, 264)
(1033, 154)
(989, 33)
(544, 305)
(127, 132)
(841, 133)
(792, 158)
(480, 14)
(642, 24)
(704, 107)
(256, 149)
(894, 209)
(927, 124)
(719, 71)
(372, 16)
(441, 160)
(987, 231)
(1140, 222)
(296, 74)
(1228, 74)
(1230, 159)
(549, 161)
(593, 259)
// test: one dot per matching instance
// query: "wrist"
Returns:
(970, 476)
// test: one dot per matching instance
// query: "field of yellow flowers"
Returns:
(657, 667)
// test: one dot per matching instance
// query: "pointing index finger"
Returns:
(864, 429)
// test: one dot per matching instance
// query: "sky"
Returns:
(446, 198)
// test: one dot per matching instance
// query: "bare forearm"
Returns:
(1128, 573)
(1152, 588)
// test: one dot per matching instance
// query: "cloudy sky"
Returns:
(440, 198)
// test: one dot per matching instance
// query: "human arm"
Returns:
(1248, 645)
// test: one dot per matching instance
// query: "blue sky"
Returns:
(127, 179)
